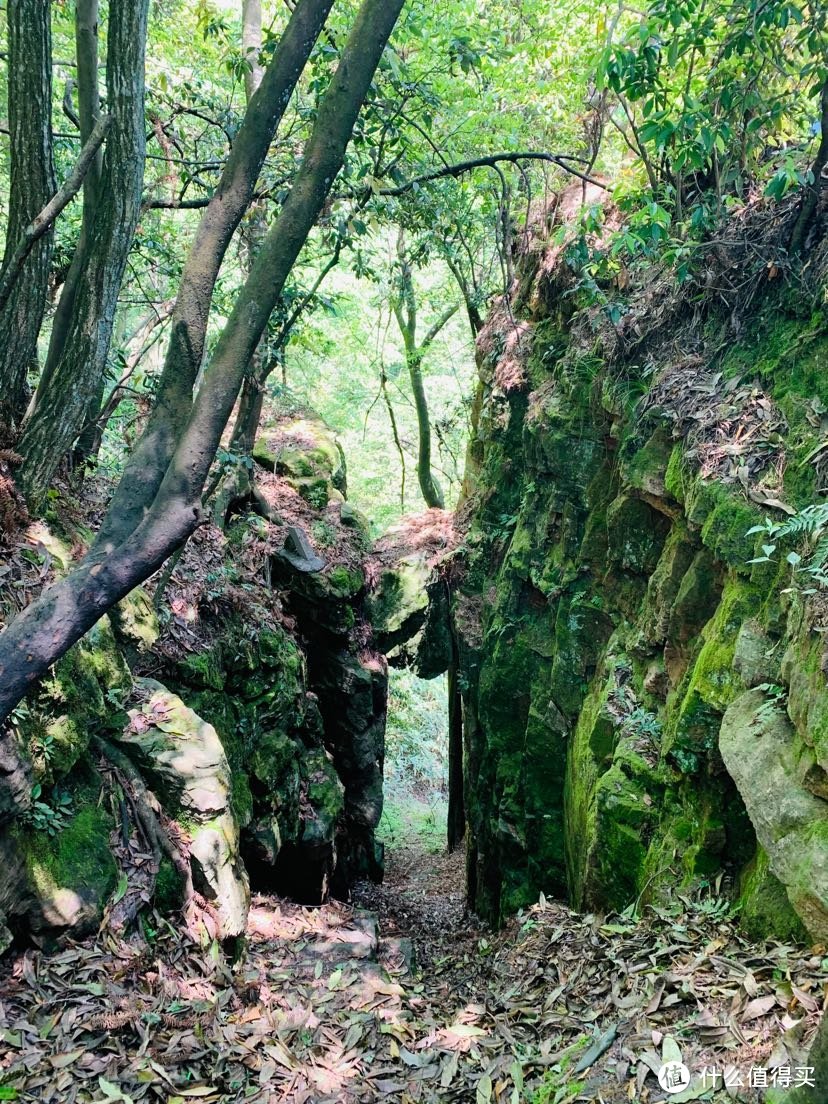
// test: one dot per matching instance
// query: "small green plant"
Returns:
(642, 723)
(774, 696)
(42, 749)
(43, 817)
(324, 534)
(810, 528)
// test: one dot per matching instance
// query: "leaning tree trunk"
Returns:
(148, 463)
(32, 186)
(431, 491)
(43, 632)
(61, 406)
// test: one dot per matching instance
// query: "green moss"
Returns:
(712, 683)
(645, 468)
(80, 695)
(273, 758)
(169, 887)
(675, 476)
(764, 908)
(204, 670)
(725, 517)
(78, 858)
(670, 574)
(345, 582)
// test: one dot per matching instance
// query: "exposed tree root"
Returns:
(147, 813)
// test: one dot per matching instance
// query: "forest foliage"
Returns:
(682, 113)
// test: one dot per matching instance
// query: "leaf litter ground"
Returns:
(324, 1007)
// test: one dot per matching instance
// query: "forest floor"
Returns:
(327, 1006)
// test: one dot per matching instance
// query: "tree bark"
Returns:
(456, 820)
(62, 405)
(148, 463)
(89, 103)
(810, 199)
(32, 186)
(44, 631)
(45, 219)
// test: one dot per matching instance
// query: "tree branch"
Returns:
(559, 159)
(444, 318)
(39, 226)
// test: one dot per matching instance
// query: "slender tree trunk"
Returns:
(252, 395)
(32, 186)
(86, 51)
(44, 631)
(810, 199)
(405, 311)
(232, 197)
(429, 486)
(456, 821)
(63, 403)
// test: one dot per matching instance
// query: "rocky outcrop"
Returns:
(615, 621)
(247, 694)
(287, 672)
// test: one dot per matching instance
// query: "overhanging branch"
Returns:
(561, 160)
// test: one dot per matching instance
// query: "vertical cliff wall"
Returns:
(645, 709)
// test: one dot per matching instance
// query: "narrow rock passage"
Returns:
(325, 1008)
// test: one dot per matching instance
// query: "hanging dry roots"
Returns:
(148, 817)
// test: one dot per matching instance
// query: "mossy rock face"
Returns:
(759, 748)
(609, 622)
(804, 670)
(53, 886)
(765, 909)
(644, 470)
(135, 624)
(636, 534)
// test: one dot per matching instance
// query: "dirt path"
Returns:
(324, 1009)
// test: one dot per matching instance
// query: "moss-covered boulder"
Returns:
(55, 877)
(305, 452)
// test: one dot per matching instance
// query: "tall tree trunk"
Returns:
(43, 632)
(252, 44)
(62, 405)
(86, 51)
(148, 463)
(32, 185)
(252, 394)
(405, 311)
(810, 199)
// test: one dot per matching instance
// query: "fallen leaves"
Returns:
(591, 1006)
